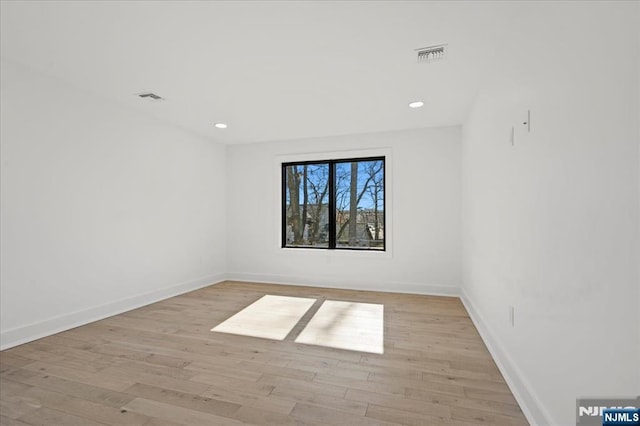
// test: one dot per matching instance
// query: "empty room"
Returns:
(320, 213)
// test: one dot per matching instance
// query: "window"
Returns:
(334, 204)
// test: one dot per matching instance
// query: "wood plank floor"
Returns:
(161, 365)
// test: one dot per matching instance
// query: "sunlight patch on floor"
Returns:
(346, 325)
(270, 317)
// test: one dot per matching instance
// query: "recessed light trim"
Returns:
(416, 104)
(221, 125)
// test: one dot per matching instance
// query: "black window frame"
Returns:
(332, 243)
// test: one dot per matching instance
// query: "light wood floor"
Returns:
(161, 365)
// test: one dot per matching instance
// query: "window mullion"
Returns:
(332, 205)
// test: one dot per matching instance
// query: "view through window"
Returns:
(334, 204)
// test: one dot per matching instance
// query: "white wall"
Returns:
(103, 209)
(423, 197)
(550, 225)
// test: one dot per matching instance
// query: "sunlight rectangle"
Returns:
(346, 325)
(270, 317)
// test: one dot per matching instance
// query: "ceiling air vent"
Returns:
(150, 96)
(430, 54)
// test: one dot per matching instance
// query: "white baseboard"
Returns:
(529, 402)
(368, 285)
(18, 336)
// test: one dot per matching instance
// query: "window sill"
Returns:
(302, 251)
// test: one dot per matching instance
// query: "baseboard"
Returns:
(368, 285)
(18, 336)
(529, 402)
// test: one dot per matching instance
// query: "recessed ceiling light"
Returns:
(416, 104)
(221, 125)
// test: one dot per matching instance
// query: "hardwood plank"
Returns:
(444, 387)
(404, 417)
(9, 387)
(304, 385)
(327, 401)
(488, 395)
(292, 373)
(15, 406)
(7, 359)
(72, 388)
(254, 415)
(389, 387)
(496, 407)
(400, 403)
(271, 402)
(225, 366)
(86, 409)
(47, 417)
(453, 379)
(176, 414)
(214, 380)
(325, 416)
(482, 417)
(185, 400)
(100, 379)
(8, 421)
(163, 381)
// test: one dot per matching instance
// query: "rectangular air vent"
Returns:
(430, 54)
(150, 96)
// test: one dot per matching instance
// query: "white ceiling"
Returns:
(270, 70)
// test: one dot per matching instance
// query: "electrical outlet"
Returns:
(526, 122)
(512, 316)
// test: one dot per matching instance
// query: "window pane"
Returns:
(306, 209)
(359, 196)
